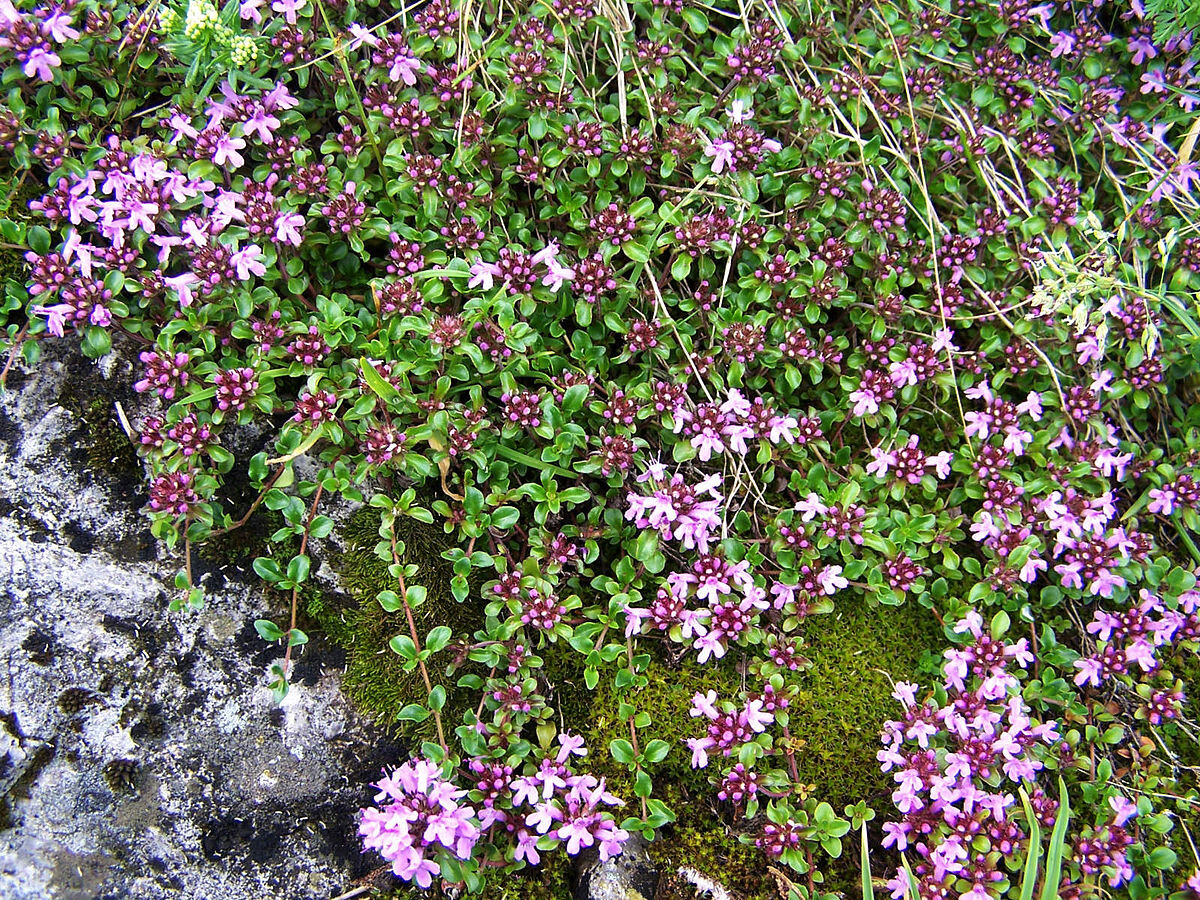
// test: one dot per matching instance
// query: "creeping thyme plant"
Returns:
(689, 325)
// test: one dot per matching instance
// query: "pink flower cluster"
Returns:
(728, 726)
(729, 605)
(677, 510)
(552, 801)
(956, 764)
(419, 818)
(715, 429)
(31, 37)
(1135, 636)
(484, 274)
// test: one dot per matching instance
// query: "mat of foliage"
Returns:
(695, 329)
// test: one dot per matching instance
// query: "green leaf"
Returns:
(622, 751)
(657, 750)
(97, 342)
(642, 785)
(437, 698)
(390, 601)
(1034, 854)
(636, 252)
(1161, 858)
(868, 889)
(268, 630)
(376, 382)
(696, 20)
(38, 239)
(505, 517)
(414, 712)
(1058, 838)
(438, 638)
(402, 645)
(268, 570)
(297, 638)
(298, 569)
(573, 399)
(473, 501)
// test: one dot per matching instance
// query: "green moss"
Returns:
(109, 449)
(700, 837)
(713, 850)
(375, 679)
(857, 653)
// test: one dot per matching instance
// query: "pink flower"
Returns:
(881, 461)
(865, 402)
(558, 274)
(227, 151)
(249, 11)
(41, 62)
(1162, 501)
(263, 124)
(940, 464)
(360, 35)
(831, 580)
(527, 848)
(895, 834)
(287, 228)
(1063, 43)
(482, 275)
(1154, 81)
(289, 8)
(57, 27)
(811, 507)
(247, 263)
(783, 429)
(279, 98)
(546, 255)
(739, 111)
(699, 748)
(722, 155)
(56, 316)
(1124, 809)
(1090, 672)
(405, 68)
(1142, 49)
(182, 284)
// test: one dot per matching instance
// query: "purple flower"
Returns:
(57, 27)
(41, 62)
(227, 149)
(246, 262)
(721, 153)
(289, 8)
(56, 316)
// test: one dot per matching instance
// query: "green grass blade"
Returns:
(914, 891)
(868, 890)
(1034, 854)
(1054, 853)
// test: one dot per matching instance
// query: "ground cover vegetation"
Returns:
(774, 423)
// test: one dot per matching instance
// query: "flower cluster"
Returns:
(654, 341)
(956, 759)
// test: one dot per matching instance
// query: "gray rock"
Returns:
(141, 755)
(628, 876)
